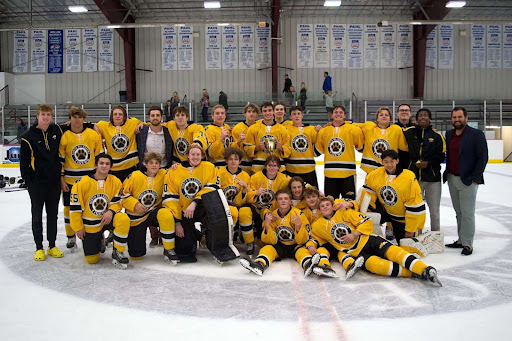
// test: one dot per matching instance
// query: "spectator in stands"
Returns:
(327, 86)
(291, 96)
(223, 100)
(168, 112)
(22, 128)
(329, 103)
(303, 95)
(175, 101)
(205, 103)
(287, 83)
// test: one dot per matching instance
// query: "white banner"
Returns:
(106, 49)
(169, 49)
(388, 47)
(507, 46)
(20, 51)
(338, 46)
(72, 44)
(371, 46)
(212, 44)
(404, 46)
(321, 57)
(263, 48)
(229, 47)
(445, 43)
(246, 47)
(355, 46)
(478, 46)
(304, 46)
(494, 46)
(90, 50)
(186, 48)
(431, 53)
(38, 51)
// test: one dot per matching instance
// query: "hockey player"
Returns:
(184, 134)
(77, 150)
(347, 234)
(279, 114)
(142, 197)
(312, 199)
(218, 136)
(337, 143)
(264, 131)
(234, 182)
(297, 187)
(286, 229)
(301, 161)
(251, 112)
(399, 194)
(96, 205)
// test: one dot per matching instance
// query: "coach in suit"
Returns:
(466, 158)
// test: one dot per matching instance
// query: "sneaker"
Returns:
(39, 255)
(455, 245)
(310, 263)
(255, 267)
(250, 249)
(119, 259)
(71, 244)
(55, 253)
(324, 270)
(171, 257)
(153, 243)
(354, 267)
(430, 274)
(466, 250)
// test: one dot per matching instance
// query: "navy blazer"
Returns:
(472, 158)
(142, 138)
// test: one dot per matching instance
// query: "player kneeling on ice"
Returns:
(285, 230)
(347, 233)
(142, 198)
(95, 206)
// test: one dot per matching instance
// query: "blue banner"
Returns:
(55, 51)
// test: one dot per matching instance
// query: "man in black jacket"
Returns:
(404, 122)
(426, 153)
(41, 169)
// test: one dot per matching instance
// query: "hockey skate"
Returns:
(324, 270)
(103, 245)
(171, 257)
(119, 259)
(110, 239)
(354, 267)
(55, 253)
(255, 267)
(71, 244)
(250, 249)
(310, 263)
(430, 274)
(218, 261)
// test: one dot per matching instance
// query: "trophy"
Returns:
(271, 144)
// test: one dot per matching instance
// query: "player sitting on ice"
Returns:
(347, 234)
(285, 230)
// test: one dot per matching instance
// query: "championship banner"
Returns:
(404, 46)
(229, 47)
(445, 44)
(478, 46)
(185, 48)
(38, 51)
(246, 47)
(73, 41)
(494, 46)
(55, 48)
(371, 46)
(355, 46)
(304, 46)
(106, 49)
(169, 49)
(507, 46)
(20, 51)
(431, 54)
(388, 47)
(321, 58)
(212, 43)
(90, 49)
(338, 46)
(263, 48)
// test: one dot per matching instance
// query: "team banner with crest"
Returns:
(169, 49)
(246, 47)
(20, 51)
(38, 51)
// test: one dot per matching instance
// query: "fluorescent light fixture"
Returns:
(455, 4)
(332, 3)
(212, 4)
(223, 24)
(77, 9)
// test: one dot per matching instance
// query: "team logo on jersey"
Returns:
(98, 204)
(120, 142)
(148, 198)
(389, 195)
(227, 141)
(378, 146)
(339, 230)
(81, 154)
(285, 233)
(336, 146)
(300, 143)
(190, 187)
(265, 199)
(230, 192)
(182, 146)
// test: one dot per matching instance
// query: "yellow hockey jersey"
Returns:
(186, 184)
(184, 138)
(140, 188)
(232, 190)
(257, 133)
(401, 197)
(302, 151)
(283, 229)
(120, 142)
(240, 128)
(337, 144)
(77, 153)
(216, 147)
(90, 199)
(259, 179)
(377, 140)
